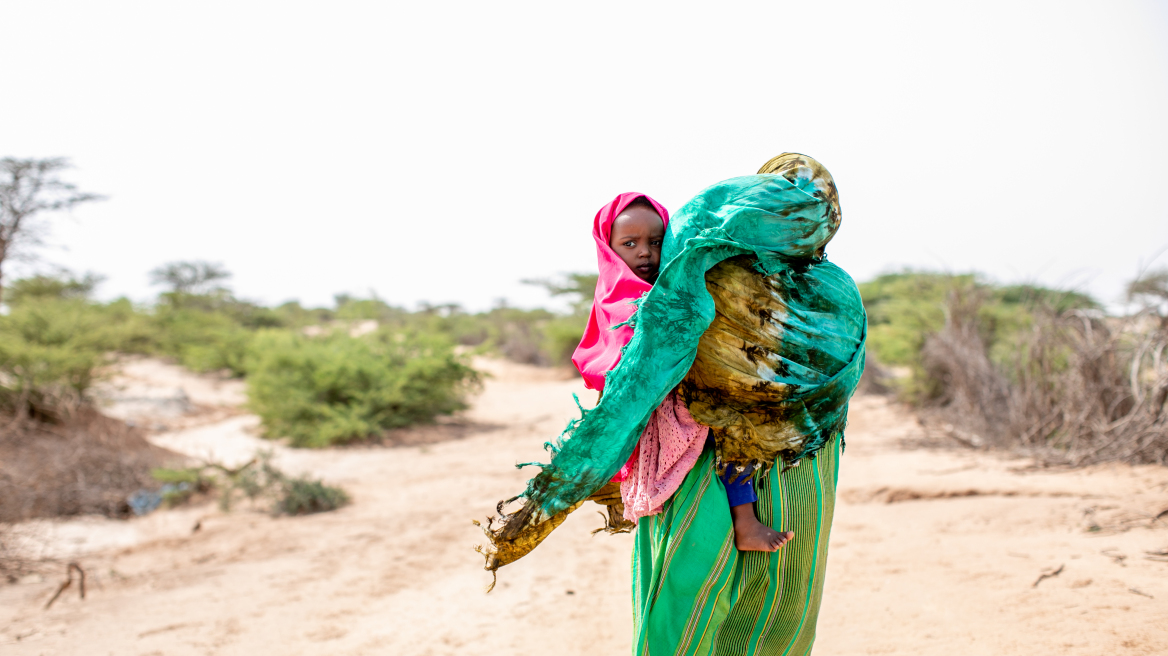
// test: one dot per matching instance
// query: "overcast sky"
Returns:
(444, 151)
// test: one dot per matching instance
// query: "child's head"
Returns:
(636, 237)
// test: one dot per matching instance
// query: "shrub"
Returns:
(49, 351)
(125, 329)
(1076, 387)
(201, 338)
(294, 315)
(360, 309)
(534, 336)
(526, 336)
(64, 285)
(517, 334)
(905, 309)
(304, 496)
(255, 480)
(180, 484)
(562, 334)
(336, 389)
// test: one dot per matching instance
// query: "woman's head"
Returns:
(636, 236)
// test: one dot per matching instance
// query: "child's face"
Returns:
(636, 237)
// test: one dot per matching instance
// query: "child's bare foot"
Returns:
(752, 535)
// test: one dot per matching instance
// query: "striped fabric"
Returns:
(695, 594)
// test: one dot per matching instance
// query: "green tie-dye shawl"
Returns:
(784, 220)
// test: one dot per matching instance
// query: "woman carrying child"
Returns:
(752, 332)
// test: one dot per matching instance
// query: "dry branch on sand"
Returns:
(258, 479)
(1047, 574)
(69, 569)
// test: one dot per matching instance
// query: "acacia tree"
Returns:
(29, 189)
(189, 277)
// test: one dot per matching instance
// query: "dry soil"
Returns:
(934, 550)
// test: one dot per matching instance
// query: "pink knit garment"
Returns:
(668, 449)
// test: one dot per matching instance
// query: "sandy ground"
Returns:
(934, 551)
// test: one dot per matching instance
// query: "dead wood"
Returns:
(69, 569)
(1047, 575)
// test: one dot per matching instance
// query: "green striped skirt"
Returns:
(695, 594)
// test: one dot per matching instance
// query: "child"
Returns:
(628, 233)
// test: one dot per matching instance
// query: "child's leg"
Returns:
(749, 533)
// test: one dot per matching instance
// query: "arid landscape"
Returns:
(287, 290)
(935, 549)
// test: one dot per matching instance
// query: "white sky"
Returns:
(443, 151)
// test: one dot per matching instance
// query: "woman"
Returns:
(694, 593)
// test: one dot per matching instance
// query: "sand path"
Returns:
(933, 551)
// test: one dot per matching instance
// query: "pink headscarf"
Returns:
(617, 286)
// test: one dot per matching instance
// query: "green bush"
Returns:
(534, 336)
(56, 336)
(360, 309)
(126, 329)
(49, 352)
(204, 332)
(64, 285)
(528, 336)
(336, 389)
(903, 308)
(304, 496)
(208, 332)
(294, 315)
(203, 341)
(54, 339)
(116, 326)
